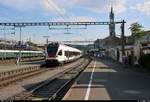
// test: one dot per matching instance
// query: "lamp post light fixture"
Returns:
(19, 57)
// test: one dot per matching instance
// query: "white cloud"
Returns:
(100, 5)
(52, 6)
(61, 6)
(144, 7)
(21, 5)
(75, 19)
(120, 6)
(49, 6)
(82, 19)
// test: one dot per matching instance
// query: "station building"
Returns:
(112, 44)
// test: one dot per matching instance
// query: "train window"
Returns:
(52, 48)
(71, 54)
(60, 52)
(67, 53)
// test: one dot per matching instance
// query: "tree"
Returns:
(31, 44)
(136, 31)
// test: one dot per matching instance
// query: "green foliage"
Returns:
(32, 44)
(144, 61)
(136, 30)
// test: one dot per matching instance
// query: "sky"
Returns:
(71, 10)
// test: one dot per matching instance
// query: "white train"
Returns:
(60, 53)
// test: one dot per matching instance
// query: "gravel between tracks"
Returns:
(26, 83)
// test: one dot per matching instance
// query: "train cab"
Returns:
(59, 53)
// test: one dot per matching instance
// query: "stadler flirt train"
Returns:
(60, 53)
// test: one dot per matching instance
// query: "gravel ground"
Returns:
(9, 67)
(22, 85)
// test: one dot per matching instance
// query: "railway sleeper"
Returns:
(63, 86)
(14, 73)
(60, 93)
(14, 79)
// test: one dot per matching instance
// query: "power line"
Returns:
(58, 12)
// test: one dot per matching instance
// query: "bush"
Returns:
(144, 61)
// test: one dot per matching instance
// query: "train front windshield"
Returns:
(52, 50)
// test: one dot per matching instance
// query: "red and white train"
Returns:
(60, 53)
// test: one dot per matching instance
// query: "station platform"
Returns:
(86, 87)
(104, 80)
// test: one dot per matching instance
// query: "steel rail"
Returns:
(28, 95)
(56, 95)
(20, 76)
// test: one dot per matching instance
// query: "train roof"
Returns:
(69, 48)
(66, 47)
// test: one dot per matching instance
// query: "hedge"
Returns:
(144, 61)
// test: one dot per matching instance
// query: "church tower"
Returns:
(112, 23)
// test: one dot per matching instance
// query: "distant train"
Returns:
(13, 54)
(60, 53)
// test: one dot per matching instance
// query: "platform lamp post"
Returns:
(20, 32)
(4, 42)
(46, 42)
(13, 33)
(123, 38)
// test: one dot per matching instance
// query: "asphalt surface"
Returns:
(106, 80)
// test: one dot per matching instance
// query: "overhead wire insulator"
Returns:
(67, 30)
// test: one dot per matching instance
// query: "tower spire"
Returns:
(112, 24)
(111, 5)
(111, 11)
(111, 8)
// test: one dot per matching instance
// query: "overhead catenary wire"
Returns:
(54, 7)
(52, 4)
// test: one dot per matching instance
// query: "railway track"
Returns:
(12, 79)
(23, 75)
(55, 87)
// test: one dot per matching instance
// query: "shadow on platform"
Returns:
(122, 84)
